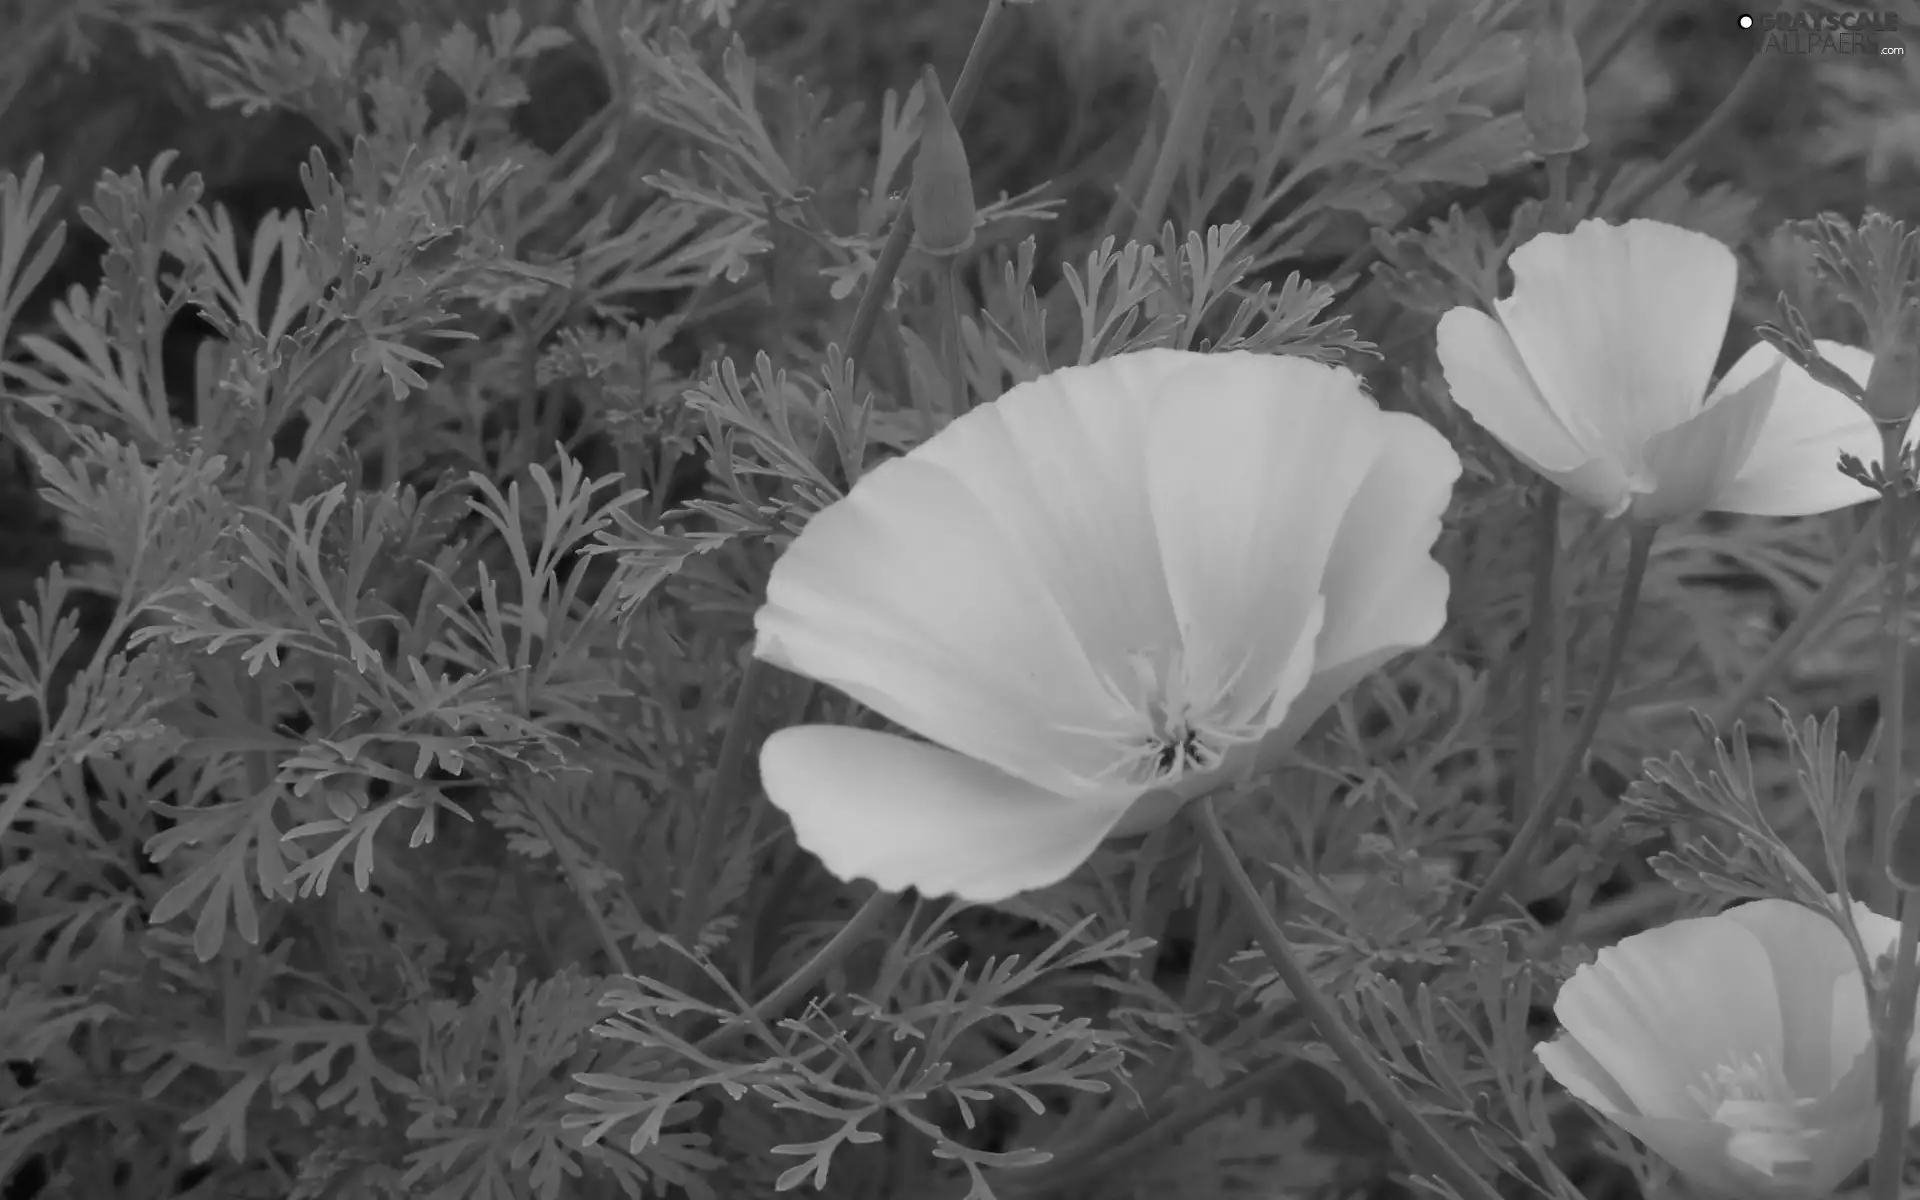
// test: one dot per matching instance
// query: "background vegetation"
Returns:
(389, 733)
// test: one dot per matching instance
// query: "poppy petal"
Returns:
(1582, 1075)
(1838, 1146)
(1385, 594)
(1619, 327)
(905, 814)
(1810, 957)
(1489, 380)
(1057, 464)
(1690, 465)
(1253, 462)
(1697, 1150)
(1793, 468)
(1384, 590)
(908, 597)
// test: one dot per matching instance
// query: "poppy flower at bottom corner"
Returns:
(1736, 1047)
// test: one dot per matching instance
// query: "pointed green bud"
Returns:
(1893, 386)
(1555, 107)
(942, 195)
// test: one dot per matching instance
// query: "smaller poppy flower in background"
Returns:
(1737, 1047)
(1097, 598)
(1595, 375)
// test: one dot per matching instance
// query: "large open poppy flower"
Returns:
(1095, 598)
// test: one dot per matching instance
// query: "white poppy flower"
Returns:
(1096, 597)
(1596, 372)
(1736, 1047)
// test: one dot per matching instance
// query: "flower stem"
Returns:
(1811, 620)
(1604, 52)
(1351, 274)
(1360, 1063)
(1895, 1032)
(721, 799)
(1546, 807)
(1104, 1154)
(863, 922)
(1542, 633)
(576, 877)
(1559, 208)
(721, 796)
(956, 377)
(1896, 532)
(1682, 156)
(867, 314)
(1188, 115)
(1893, 1076)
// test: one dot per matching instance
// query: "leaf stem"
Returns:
(1895, 1032)
(1559, 209)
(1893, 1074)
(1605, 52)
(956, 377)
(869, 917)
(1811, 619)
(1348, 276)
(1896, 532)
(1360, 1063)
(1542, 641)
(550, 830)
(1546, 807)
(722, 797)
(1101, 1154)
(1681, 156)
(1187, 116)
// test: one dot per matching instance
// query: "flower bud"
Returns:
(1555, 107)
(1893, 386)
(942, 195)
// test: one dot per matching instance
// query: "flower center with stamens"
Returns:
(1181, 750)
(1752, 1098)
(1169, 727)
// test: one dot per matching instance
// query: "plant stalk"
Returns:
(1097, 1157)
(1361, 1064)
(1559, 208)
(867, 313)
(1895, 1025)
(1896, 530)
(1349, 274)
(1682, 156)
(1894, 1075)
(1546, 808)
(722, 797)
(1605, 51)
(869, 917)
(956, 375)
(1542, 641)
(1187, 116)
(1811, 620)
(576, 877)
